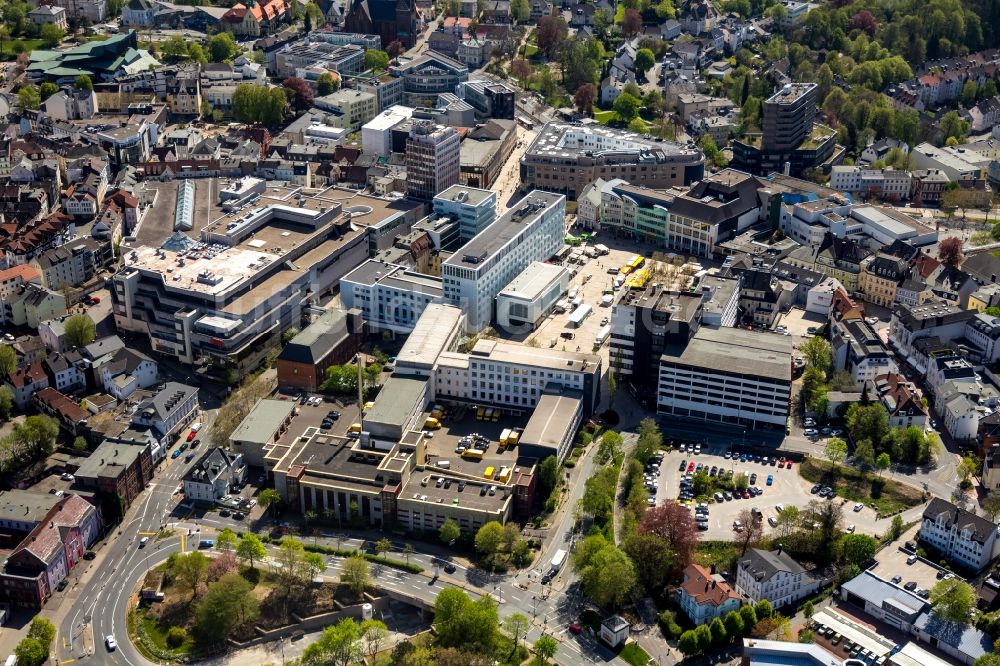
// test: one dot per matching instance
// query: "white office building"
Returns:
(728, 375)
(531, 295)
(531, 231)
(390, 297)
(376, 134)
(475, 209)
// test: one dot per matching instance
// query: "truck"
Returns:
(557, 561)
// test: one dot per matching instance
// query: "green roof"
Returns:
(94, 58)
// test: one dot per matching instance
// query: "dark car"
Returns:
(326, 425)
(238, 516)
(575, 628)
(333, 415)
(89, 555)
(566, 335)
(195, 443)
(62, 585)
(225, 513)
(547, 578)
(683, 465)
(815, 489)
(728, 496)
(450, 568)
(912, 585)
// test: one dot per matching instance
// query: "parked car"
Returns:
(770, 479)
(575, 628)
(110, 643)
(858, 506)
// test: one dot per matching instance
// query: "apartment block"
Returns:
(961, 536)
(433, 158)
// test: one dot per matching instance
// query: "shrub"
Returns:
(668, 622)
(176, 636)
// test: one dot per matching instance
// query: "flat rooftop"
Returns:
(508, 352)
(374, 272)
(506, 227)
(533, 281)
(473, 195)
(394, 401)
(570, 140)
(736, 350)
(263, 420)
(790, 93)
(429, 336)
(552, 417)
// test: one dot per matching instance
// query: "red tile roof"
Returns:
(699, 584)
(70, 410)
(29, 375)
(27, 273)
(47, 537)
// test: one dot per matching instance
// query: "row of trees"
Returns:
(758, 620)
(33, 650)
(346, 642)
(499, 544)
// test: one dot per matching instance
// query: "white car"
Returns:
(778, 508)
(859, 506)
(110, 643)
(871, 320)
(851, 528)
(810, 432)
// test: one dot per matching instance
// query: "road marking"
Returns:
(66, 661)
(148, 533)
(182, 543)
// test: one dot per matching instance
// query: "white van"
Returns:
(444, 464)
(11, 661)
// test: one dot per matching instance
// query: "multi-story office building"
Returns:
(295, 58)
(888, 184)
(376, 134)
(643, 322)
(788, 135)
(433, 157)
(227, 298)
(390, 297)
(351, 108)
(492, 99)
(515, 377)
(775, 576)
(485, 151)
(530, 296)
(429, 74)
(533, 230)
(960, 536)
(699, 381)
(939, 319)
(388, 90)
(475, 209)
(566, 157)
(787, 117)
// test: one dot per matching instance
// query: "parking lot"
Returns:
(893, 561)
(462, 423)
(787, 489)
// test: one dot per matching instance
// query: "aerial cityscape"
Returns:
(500, 332)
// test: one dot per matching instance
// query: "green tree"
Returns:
(967, 468)
(858, 549)
(46, 90)
(517, 625)
(228, 603)
(869, 422)
(643, 61)
(337, 645)
(222, 47)
(609, 576)
(51, 35)
(808, 609)
(43, 631)
(374, 634)
(610, 446)
(688, 643)
(762, 609)
(460, 622)
(488, 538)
(28, 98)
(251, 549)
(548, 474)
(969, 91)
(174, 48)
(749, 617)
(31, 653)
(8, 361)
(189, 571)
(269, 498)
(79, 442)
(626, 106)
(449, 531)
(80, 330)
(734, 624)
(376, 59)
(314, 15)
(83, 82)
(326, 84)
(953, 600)
(383, 546)
(718, 629)
(817, 353)
(226, 541)
(896, 528)
(882, 462)
(864, 453)
(520, 10)
(704, 636)
(953, 125)
(6, 402)
(835, 450)
(546, 647)
(356, 574)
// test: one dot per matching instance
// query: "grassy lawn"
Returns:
(722, 554)
(7, 49)
(152, 637)
(530, 50)
(885, 495)
(605, 117)
(634, 655)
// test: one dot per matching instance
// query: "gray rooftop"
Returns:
(473, 195)
(552, 416)
(109, 459)
(25, 505)
(871, 588)
(762, 564)
(263, 420)
(429, 336)
(533, 280)
(394, 401)
(316, 340)
(166, 400)
(760, 354)
(490, 240)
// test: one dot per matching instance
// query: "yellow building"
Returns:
(879, 278)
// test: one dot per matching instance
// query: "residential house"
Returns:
(25, 382)
(216, 474)
(121, 374)
(705, 596)
(256, 18)
(762, 298)
(858, 349)
(47, 554)
(173, 407)
(960, 536)
(73, 263)
(43, 14)
(66, 411)
(63, 372)
(900, 398)
(775, 576)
